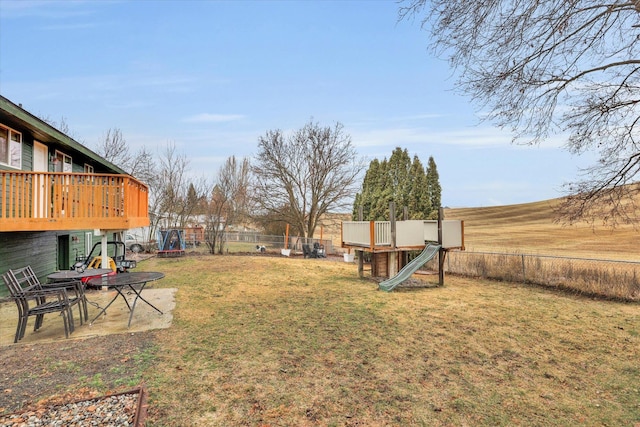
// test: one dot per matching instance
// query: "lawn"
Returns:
(271, 341)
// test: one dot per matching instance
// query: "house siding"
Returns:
(27, 154)
(42, 251)
(20, 249)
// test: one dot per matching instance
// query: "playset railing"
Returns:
(408, 234)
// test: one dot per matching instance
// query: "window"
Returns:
(88, 168)
(10, 147)
(88, 242)
(62, 163)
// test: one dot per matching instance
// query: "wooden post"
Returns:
(392, 257)
(286, 238)
(392, 218)
(405, 254)
(441, 252)
(105, 253)
(360, 254)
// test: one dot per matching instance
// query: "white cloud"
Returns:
(213, 118)
(71, 26)
(105, 87)
(407, 136)
(425, 116)
(50, 9)
(473, 137)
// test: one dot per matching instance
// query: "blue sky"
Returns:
(210, 77)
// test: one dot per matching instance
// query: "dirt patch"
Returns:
(46, 368)
(35, 375)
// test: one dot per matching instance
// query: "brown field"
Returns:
(274, 341)
(531, 228)
(261, 341)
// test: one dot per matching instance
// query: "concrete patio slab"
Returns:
(114, 322)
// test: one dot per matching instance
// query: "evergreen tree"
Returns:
(193, 199)
(402, 181)
(366, 197)
(419, 202)
(383, 194)
(399, 179)
(433, 187)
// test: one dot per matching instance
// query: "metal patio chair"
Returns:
(75, 290)
(34, 300)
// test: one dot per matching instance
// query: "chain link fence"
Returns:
(610, 278)
(253, 240)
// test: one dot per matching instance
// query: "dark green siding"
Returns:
(27, 152)
(20, 249)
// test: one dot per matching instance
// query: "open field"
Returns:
(531, 228)
(277, 341)
(260, 340)
(264, 341)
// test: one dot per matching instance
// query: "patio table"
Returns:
(135, 282)
(67, 275)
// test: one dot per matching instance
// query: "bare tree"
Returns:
(556, 67)
(146, 170)
(142, 165)
(114, 148)
(173, 190)
(311, 171)
(62, 125)
(228, 201)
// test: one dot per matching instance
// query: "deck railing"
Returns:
(367, 233)
(41, 201)
(409, 234)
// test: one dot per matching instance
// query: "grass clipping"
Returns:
(287, 341)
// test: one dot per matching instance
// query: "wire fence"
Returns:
(253, 240)
(609, 278)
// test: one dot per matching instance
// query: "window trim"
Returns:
(10, 132)
(65, 159)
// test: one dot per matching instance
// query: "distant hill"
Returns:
(532, 228)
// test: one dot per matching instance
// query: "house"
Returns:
(57, 197)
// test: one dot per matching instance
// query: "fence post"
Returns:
(524, 271)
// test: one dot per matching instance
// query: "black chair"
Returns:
(33, 300)
(308, 253)
(319, 250)
(75, 290)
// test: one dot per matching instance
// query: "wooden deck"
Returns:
(44, 201)
(380, 236)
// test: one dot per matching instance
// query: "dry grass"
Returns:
(263, 341)
(532, 228)
(610, 279)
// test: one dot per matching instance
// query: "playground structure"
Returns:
(171, 243)
(389, 243)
